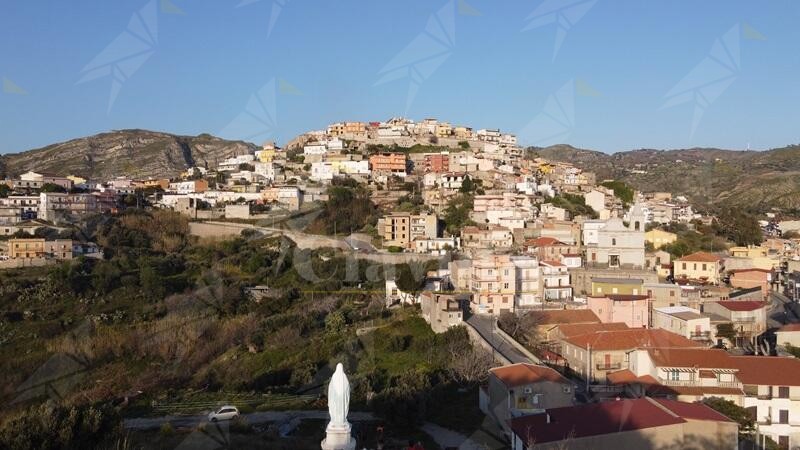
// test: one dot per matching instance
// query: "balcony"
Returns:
(697, 383)
(701, 335)
(609, 366)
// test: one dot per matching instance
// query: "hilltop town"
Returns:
(560, 290)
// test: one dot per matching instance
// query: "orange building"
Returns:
(437, 163)
(388, 163)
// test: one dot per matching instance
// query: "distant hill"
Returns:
(135, 153)
(754, 180)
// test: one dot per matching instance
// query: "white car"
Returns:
(224, 413)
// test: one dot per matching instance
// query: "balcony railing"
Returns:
(609, 366)
(697, 383)
(699, 335)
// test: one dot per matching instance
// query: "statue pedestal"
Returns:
(338, 438)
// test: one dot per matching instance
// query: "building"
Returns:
(441, 311)
(750, 278)
(643, 423)
(684, 321)
(548, 248)
(289, 196)
(24, 248)
(389, 164)
(56, 206)
(617, 245)
(492, 237)
(624, 286)
(788, 334)
(401, 229)
(659, 238)
(504, 283)
(47, 178)
(188, 187)
(523, 389)
(749, 318)
(596, 354)
(437, 246)
(555, 281)
(700, 267)
(632, 310)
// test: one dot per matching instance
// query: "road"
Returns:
(256, 418)
(782, 310)
(484, 325)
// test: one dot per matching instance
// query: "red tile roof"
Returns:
(790, 327)
(598, 419)
(626, 297)
(522, 373)
(559, 316)
(752, 269)
(741, 305)
(630, 339)
(574, 329)
(553, 263)
(703, 358)
(625, 376)
(767, 370)
(543, 242)
(701, 257)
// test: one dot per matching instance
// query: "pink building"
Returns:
(633, 310)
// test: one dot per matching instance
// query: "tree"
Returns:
(467, 364)
(411, 277)
(4, 190)
(621, 190)
(738, 226)
(51, 187)
(734, 412)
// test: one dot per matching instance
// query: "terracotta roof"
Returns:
(543, 241)
(768, 370)
(596, 419)
(564, 316)
(660, 390)
(553, 263)
(701, 257)
(741, 305)
(692, 411)
(522, 373)
(625, 376)
(630, 339)
(574, 329)
(705, 358)
(790, 327)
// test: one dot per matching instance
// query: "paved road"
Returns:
(782, 310)
(484, 325)
(256, 418)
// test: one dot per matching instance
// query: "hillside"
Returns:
(135, 153)
(756, 181)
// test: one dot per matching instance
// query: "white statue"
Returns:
(338, 398)
(338, 432)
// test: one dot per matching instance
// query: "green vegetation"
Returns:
(621, 190)
(4, 190)
(50, 187)
(456, 215)
(575, 204)
(348, 209)
(738, 226)
(702, 238)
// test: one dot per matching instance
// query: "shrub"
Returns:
(166, 429)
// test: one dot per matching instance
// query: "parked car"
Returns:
(224, 413)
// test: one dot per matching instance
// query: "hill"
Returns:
(135, 153)
(753, 180)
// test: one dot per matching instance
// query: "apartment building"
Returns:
(632, 310)
(401, 229)
(551, 249)
(555, 281)
(492, 237)
(505, 283)
(188, 187)
(749, 318)
(442, 311)
(437, 162)
(54, 206)
(389, 164)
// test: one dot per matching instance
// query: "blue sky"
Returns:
(607, 86)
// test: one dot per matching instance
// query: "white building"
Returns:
(683, 321)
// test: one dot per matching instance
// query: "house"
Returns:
(47, 178)
(291, 197)
(595, 199)
(394, 295)
(54, 206)
(684, 321)
(633, 310)
(547, 320)
(522, 389)
(700, 267)
(437, 246)
(625, 286)
(20, 248)
(788, 334)
(608, 351)
(401, 229)
(188, 187)
(750, 278)
(441, 311)
(555, 281)
(749, 318)
(547, 248)
(659, 238)
(492, 237)
(643, 423)
(437, 162)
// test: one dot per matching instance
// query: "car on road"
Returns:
(223, 413)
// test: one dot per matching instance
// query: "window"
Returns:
(683, 266)
(674, 375)
(783, 391)
(613, 241)
(505, 285)
(783, 415)
(704, 267)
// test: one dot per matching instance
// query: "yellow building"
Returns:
(26, 248)
(700, 267)
(750, 251)
(660, 238)
(602, 286)
(444, 130)
(76, 180)
(401, 229)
